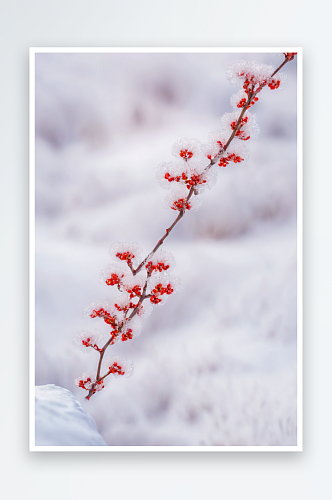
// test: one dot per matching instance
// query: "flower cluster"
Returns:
(146, 284)
(140, 289)
(254, 77)
(87, 338)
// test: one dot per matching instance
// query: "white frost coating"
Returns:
(89, 337)
(104, 304)
(61, 420)
(131, 248)
(176, 199)
(256, 72)
(249, 129)
(186, 148)
(123, 365)
(112, 274)
(161, 257)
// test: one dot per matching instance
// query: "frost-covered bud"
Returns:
(102, 309)
(160, 286)
(177, 200)
(160, 261)
(88, 380)
(168, 173)
(186, 149)
(254, 75)
(134, 285)
(123, 303)
(199, 178)
(131, 329)
(239, 99)
(219, 138)
(248, 129)
(211, 149)
(118, 367)
(113, 275)
(127, 252)
(237, 152)
(87, 338)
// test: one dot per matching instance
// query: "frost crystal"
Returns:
(102, 309)
(134, 285)
(160, 286)
(249, 128)
(177, 199)
(127, 252)
(87, 380)
(87, 340)
(113, 275)
(186, 149)
(254, 72)
(160, 261)
(118, 367)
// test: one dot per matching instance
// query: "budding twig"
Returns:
(118, 326)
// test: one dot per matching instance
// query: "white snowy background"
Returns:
(216, 365)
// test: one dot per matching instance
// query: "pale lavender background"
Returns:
(217, 364)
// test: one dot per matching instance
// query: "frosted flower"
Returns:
(248, 129)
(161, 286)
(117, 367)
(113, 275)
(256, 72)
(134, 284)
(87, 338)
(198, 177)
(102, 309)
(160, 261)
(186, 149)
(170, 172)
(211, 149)
(236, 152)
(128, 252)
(123, 304)
(177, 200)
(131, 329)
(88, 380)
(218, 139)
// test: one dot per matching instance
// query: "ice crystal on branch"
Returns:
(113, 275)
(87, 340)
(104, 309)
(254, 75)
(186, 149)
(177, 200)
(160, 261)
(248, 128)
(126, 252)
(118, 367)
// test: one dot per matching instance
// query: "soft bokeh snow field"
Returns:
(217, 364)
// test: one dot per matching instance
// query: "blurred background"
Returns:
(216, 365)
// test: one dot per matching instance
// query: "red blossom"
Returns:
(128, 256)
(181, 204)
(115, 368)
(113, 280)
(184, 153)
(101, 313)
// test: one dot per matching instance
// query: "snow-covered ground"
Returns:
(215, 365)
(61, 421)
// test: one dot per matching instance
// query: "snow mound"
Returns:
(61, 420)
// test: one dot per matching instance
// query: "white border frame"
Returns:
(33, 51)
